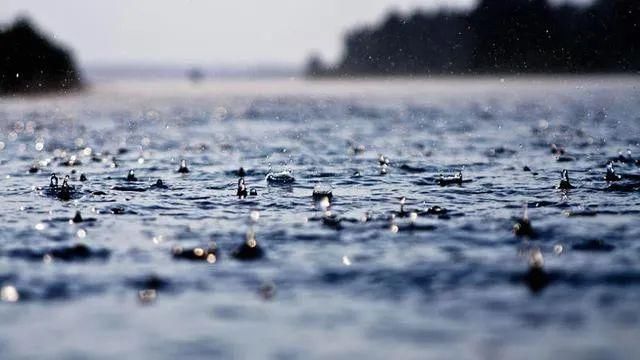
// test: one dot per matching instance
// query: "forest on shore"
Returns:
(497, 36)
(31, 63)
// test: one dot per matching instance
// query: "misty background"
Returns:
(234, 38)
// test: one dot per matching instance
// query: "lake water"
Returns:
(363, 281)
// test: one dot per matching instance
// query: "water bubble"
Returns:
(251, 239)
(39, 146)
(40, 226)
(558, 249)
(158, 239)
(147, 296)
(536, 259)
(81, 233)
(324, 203)
(9, 293)
(131, 176)
(183, 169)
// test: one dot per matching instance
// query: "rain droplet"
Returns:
(536, 259)
(9, 293)
(558, 249)
(147, 296)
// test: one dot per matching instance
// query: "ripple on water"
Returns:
(77, 252)
(350, 265)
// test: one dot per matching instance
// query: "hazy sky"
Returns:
(207, 32)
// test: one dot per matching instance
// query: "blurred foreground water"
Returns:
(368, 280)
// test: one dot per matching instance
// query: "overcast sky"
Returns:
(205, 32)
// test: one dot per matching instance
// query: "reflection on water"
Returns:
(381, 217)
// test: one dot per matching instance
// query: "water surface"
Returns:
(374, 286)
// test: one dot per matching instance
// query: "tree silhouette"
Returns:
(498, 36)
(29, 63)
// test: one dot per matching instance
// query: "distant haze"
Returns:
(203, 32)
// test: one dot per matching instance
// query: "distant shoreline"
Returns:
(178, 75)
(497, 36)
(384, 87)
(387, 88)
(506, 75)
(33, 63)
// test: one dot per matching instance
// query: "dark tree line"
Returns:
(498, 36)
(30, 63)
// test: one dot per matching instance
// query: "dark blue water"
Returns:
(359, 277)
